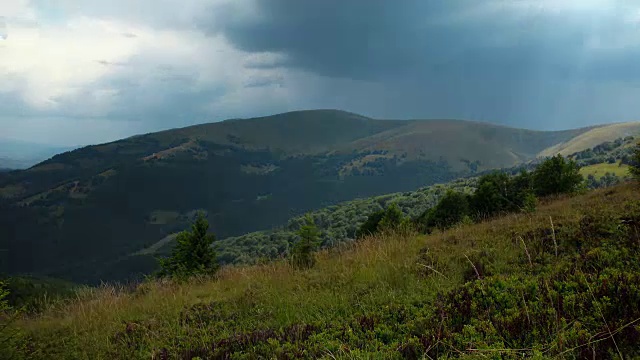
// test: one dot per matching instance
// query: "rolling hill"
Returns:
(81, 214)
(593, 137)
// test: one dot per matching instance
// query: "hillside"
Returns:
(559, 283)
(463, 142)
(603, 165)
(81, 214)
(593, 137)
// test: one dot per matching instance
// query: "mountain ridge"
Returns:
(96, 204)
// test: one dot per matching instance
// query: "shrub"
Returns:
(392, 218)
(451, 210)
(499, 193)
(370, 226)
(492, 195)
(193, 253)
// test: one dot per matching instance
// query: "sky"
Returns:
(88, 71)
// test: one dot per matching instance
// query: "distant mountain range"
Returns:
(81, 215)
(15, 154)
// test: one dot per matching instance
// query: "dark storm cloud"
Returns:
(354, 39)
(544, 64)
(489, 60)
(379, 39)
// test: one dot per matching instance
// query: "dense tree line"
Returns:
(496, 193)
(337, 224)
(620, 149)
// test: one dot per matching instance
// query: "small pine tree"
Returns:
(193, 253)
(302, 256)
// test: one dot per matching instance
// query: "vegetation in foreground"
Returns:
(562, 282)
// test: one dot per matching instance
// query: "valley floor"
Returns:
(563, 282)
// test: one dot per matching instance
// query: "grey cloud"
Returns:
(155, 13)
(354, 39)
(265, 61)
(487, 60)
(264, 81)
(13, 105)
(381, 39)
(3, 28)
(110, 63)
(382, 58)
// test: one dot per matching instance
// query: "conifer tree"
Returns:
(302, 256)
(193, 253)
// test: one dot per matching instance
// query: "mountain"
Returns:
(559, 283)
(81, 214)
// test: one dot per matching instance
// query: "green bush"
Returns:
(499, 193)
(370, 226)
(392, 218)
(492, 195)
(451, 210)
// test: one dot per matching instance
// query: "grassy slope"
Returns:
(370, 285)
(598, 170)
(492, 145)
(592, 138)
